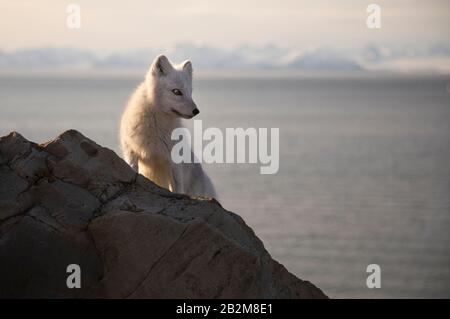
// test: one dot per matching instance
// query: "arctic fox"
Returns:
(152, 113)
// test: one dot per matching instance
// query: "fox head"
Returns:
(170, 87)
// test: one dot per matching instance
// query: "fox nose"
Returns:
(195, 111)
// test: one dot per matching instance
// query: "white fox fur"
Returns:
(152, 113)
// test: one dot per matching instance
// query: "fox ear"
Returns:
(161, 65)
(187, 66)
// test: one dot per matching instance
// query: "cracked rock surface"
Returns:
(71, 201)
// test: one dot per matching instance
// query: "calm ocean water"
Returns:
(364, 166)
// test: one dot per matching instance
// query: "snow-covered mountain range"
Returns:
(434, 59)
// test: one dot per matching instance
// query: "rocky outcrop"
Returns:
(71, 201)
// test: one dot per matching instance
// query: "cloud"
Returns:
(115, 25)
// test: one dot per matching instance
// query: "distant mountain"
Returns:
(406, 58)
(370, 57)
(324, 59)
(131, 60)
(45, 58)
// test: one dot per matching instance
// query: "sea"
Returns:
(364, 164)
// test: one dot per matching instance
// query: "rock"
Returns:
(71, 201)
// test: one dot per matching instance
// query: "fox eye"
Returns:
(177, 92)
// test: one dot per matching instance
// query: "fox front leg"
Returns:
(177, 185)
(132, 159)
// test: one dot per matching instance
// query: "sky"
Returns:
(111, 25)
